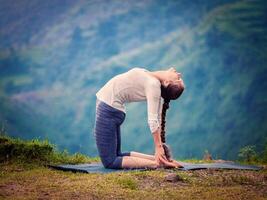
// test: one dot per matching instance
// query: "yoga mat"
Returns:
(90, 168)
(226, 165)
(99, 168)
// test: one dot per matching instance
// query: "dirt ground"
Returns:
(38, 182)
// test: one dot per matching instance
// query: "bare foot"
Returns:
(177, 164)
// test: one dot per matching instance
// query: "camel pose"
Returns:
(137, 84)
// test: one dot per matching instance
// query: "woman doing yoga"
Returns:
(137, 84)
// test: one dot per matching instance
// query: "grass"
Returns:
(127, 182)
(39, 182)
(31, 179)
(36, 151)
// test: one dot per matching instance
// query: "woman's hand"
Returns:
(177, 164)
(161, 158)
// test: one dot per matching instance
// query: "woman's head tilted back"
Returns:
(171, 89)
(172, 86)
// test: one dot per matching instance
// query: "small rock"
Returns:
(173, 178)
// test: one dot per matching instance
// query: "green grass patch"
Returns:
(36, 151)
(127, 182)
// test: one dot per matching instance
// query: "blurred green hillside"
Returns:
(55, 57)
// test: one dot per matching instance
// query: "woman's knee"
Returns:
(125, 154)
(114, 164)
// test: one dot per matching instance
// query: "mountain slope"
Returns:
(52, 69)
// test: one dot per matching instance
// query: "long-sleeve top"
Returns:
(133, 86)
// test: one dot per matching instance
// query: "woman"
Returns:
(137, 84)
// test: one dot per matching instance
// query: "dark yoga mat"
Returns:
(225, 165)
(99, 168)
(90, 168)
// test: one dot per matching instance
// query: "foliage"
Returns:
(219, 46)
(43, 152)
(127, 182)
(248, 154)
(264, 153)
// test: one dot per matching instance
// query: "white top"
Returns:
(133, 86)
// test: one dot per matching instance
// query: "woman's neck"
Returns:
(160, 75)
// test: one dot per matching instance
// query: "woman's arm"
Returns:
(153, 95)
(159, 151)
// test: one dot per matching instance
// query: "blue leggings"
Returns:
(108, 136)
